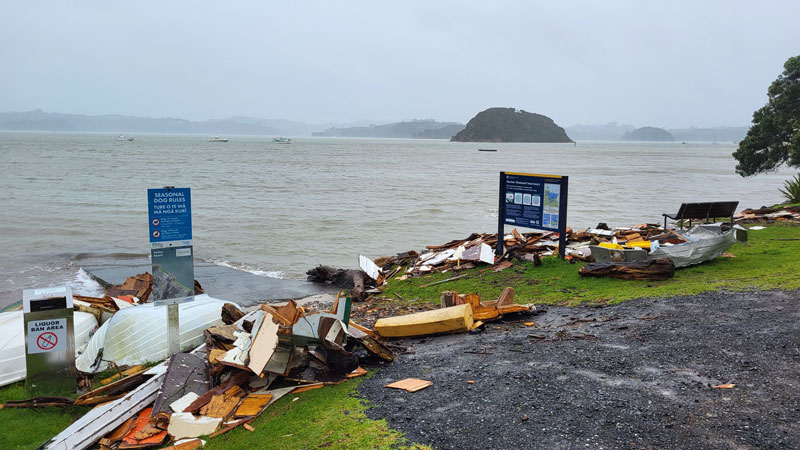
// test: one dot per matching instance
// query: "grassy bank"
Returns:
(769, 261)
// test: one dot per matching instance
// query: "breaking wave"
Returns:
(243, 267)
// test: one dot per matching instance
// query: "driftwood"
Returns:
(356, 280)
(654, 270)
(230, 313)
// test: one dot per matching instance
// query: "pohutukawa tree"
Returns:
(774, 138)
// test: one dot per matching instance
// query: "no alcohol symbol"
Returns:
(46, 341)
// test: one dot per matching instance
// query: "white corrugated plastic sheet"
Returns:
(139, 334)
(12, 342)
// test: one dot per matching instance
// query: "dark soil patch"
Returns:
(635, 375)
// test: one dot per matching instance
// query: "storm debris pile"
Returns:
(246, 363)
(768, 215)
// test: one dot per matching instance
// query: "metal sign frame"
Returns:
(169, 214)
(525, 200)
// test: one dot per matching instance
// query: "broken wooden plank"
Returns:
(187, 444)
(133, 370)
(38, 402)
(253, 404)
(237, 379)
(443, 320)
(263, 346)
(221, 405)
(113, 391)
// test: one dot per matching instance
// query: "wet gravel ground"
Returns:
(636, 375)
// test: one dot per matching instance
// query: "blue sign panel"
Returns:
(170, 214)
(532, 201)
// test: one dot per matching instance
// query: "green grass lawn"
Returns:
(764, 263)
(29, 428)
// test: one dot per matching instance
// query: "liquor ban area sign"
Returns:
(533, 201)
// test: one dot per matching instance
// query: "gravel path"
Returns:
(636, 375)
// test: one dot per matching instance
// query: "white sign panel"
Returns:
(48, 335)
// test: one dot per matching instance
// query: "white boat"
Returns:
(281, 140)
(122, 137)
(138, 334)
(217, 139)
(699, 244)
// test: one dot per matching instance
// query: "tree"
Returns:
(774, 138)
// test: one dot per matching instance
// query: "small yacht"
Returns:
(281, 140)
(217, 139)
(122, 137)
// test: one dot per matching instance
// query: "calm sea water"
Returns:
(69, 200)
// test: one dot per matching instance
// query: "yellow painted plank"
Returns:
(452, 319)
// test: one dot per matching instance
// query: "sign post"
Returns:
(171, 254)
(533, 201)
(49, 340)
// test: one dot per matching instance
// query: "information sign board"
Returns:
(170, 213)
(171, 251)
(533, 201)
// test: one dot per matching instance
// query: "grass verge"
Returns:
(29, 428)
(769, 261)
(331, 417)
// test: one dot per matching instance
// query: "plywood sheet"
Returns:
(410, 384)
(253, 404)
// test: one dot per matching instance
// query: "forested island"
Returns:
(511, 125)
(651, 134)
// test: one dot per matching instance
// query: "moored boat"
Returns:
(122, 137)
(217, 139)
(281, 140)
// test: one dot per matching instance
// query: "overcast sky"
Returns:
(667, 63)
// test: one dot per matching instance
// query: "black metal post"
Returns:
(501, 214)
(562, 218)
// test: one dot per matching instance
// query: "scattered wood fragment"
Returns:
(253, 404)
(442, 281)
(360, 371)
(410, 384)
(231, 313)
(189, 444)
(123, 374)
(38, 402)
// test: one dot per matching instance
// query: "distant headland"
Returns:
(511, 125)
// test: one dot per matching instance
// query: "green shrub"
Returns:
(792, 189)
